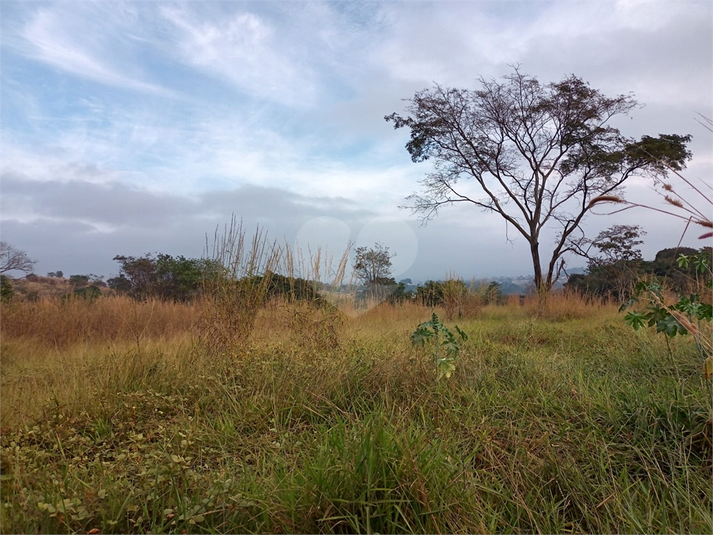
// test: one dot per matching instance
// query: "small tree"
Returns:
(78, 281)
(373, 268)
(400, 294)
(120, 284)
(618, 243)
(538, 154)
(493, 293)
(430, 294)
(166, 277)
(141, 274)
(617, 266)
(13, 260)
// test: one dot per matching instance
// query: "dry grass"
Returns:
(566, 305)
(62, 323)
(557, 419)
(38, 287)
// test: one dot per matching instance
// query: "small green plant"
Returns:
(448, 343)
(684, 316)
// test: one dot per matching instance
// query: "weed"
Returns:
(449, 344)
(683, 317)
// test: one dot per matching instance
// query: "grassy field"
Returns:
(116, 417)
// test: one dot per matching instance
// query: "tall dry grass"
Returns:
(63, 322)
(234, 299)
(563, 305)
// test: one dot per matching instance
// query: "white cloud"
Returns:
(245, 49)
(290, 97)
(77, 45)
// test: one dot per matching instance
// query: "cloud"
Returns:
(112, 205)
(650, 43)
(100, 220)
(244, 49)
(107, 205)
(276, 113)
(81, 43)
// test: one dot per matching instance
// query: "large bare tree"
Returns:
(539, 154)
(11, 259)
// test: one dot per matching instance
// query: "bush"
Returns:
(6, 290)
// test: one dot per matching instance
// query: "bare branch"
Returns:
(13, 260)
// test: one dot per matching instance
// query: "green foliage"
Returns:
(90, 293)
(165, 277)
(292, 289)
(430, 294)
(6, 290)
(677, 275)
(140, 274)
(616, 268)
(670, 150)
(79, 281)
(373, 265)
(180, 279)
(681, 317)
(663, 317)
(618, 243)
(493, 293)
(121, 284)
(446, 293)
(400, 294)
(618, 276)
(445, 365)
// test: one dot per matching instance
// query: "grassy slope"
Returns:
(570, 422)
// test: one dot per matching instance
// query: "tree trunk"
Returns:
(535, 251)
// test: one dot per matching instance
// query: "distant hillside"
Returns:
(35, 287)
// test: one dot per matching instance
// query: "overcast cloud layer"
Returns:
(136, 127)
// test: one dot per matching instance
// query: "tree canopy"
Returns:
(373, 265)
(164, 276)
(538, 155)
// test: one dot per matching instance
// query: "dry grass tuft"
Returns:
(605, 198)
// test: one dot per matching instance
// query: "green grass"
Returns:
(547, 426)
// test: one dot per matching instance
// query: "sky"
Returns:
(140, 127)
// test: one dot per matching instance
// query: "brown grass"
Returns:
(60, 323)
(38, 287)
(70, 350)
(564, 305)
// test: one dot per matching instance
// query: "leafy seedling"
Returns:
(446, 344)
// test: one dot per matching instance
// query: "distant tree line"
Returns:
(163, 276)
(618, 265)
(184, 279)
(441, 293)
(612, 271)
